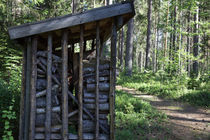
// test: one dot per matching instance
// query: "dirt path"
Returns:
(185, 121)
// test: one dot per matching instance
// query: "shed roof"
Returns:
(123, 11)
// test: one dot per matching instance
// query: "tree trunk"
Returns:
(195, 43)
(122, 49)
(166, 32)
(129, 48)
(188, 42)
(148, 33)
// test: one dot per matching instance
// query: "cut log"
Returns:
(43, 110)
(56, 59)
(72, 113)
(101, 74)
(91, 80)
(87, 70)
(41, 72)
(41, 84)
(102, 87)
(40, 119)
(101, 117)
(86, 136)
(101, 106)
(55, 128)
(92, 95)
(42, 93)
(93, 100)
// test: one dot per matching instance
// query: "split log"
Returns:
(44, 63)
(92, 95)
(72, 113)
(41, 84)
(43, 110)
(86, 136)
(87, 70)
(40, 119)
(101, 74)
(55, 128)
(40, 65)
(56, 59)
(93, 100)
(91, 80)
(42, 93)
(102, 87)
(101, 106)
(89, 126)
(41, 72)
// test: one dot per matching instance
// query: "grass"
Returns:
(182, 88)
(137, 119)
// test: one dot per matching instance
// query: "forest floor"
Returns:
(186, 122)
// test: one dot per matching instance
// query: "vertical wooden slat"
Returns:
(22, 97)
(97, 82)
(33, 89)
(65, 85)
(49, 89)
(27, 94)
(92, 45)
(80, 127)
(113, 79)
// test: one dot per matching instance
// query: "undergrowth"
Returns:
(135, 118)
(178, 87)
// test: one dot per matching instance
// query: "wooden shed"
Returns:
(68, 93)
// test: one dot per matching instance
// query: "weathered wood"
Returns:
(40, 119)
(41, 84)
(91, 80)
(33, 89)
(49, 89)
(43, 110)
(41, 72)
(73, 113)
(84, 108)
(55, 128)
(86, 136)
(97, 82)
(93, 100)
(101, 74)
(102, 87)
(71, 20)
(113, 79)
(22, 97)
(42, 93)
(27, 98)
(65, 85)
(101, 117)
(92, 95)
(102, 107)
(56, 59)
(92, 69)
(80, 127)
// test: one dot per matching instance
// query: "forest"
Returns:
(163, 52)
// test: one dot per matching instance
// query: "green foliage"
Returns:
(135, 117)
(179, 87)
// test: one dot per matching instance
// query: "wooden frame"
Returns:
(95, 98)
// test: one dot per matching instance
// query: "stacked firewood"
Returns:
(89, 83)
(41, 92)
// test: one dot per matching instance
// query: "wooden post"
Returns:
(27, 95)
(80, 127)
(49, 89)
(113, 79)
(33, 89)
(97, 82)
(92, 45)
(22, 97)
(65, 85)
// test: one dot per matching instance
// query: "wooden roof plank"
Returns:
(70, 20)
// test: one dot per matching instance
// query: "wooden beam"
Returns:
(33, 89)
(113, 79)
(97, 82)
(49, 89)
(27, 94)
(71, 20)
(65, 85)
(22, 97)
(80, 127)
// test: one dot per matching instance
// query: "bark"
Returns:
(188, 42)
(148, 33)
(122, 49)
(129, 48)
(195, 43)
